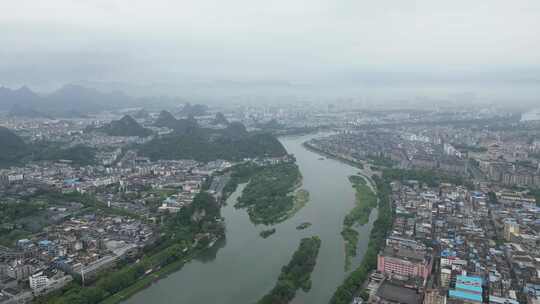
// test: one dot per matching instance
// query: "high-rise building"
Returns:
(510, 228)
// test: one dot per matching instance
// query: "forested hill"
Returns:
(179, 126)
(166, 120)
(126, 126)
(12, 148)
(220, 119)
(193, 110)
(15, 152)
(232, 143)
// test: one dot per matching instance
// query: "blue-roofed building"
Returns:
(468, 289)
(72, 182)
(448, 253)
(44, 244)
(47, 245)
(465, 296)
(469, 284)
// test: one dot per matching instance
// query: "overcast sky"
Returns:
(57, 41)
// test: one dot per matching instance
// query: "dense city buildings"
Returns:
(449, 244)
(464, 229)
(269, 152)
(94, 204)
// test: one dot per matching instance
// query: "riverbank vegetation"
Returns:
(301, 197)
(266, 233)
(303, 226)
(365, 201)
(350, 236)
(161, 258)
(268, 195)
(296, 274)
(347, 290)
(240, 174)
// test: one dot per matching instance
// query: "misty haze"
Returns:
(270, 152)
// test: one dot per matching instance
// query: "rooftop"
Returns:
(398, 294)
(465, 295)
(404, 253)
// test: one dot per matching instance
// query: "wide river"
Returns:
(244, 267)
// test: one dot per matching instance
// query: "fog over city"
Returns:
(270, 152)
(314, 48)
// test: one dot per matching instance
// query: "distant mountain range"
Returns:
(126, 126)
(70, 100)
(26, 111)
(73, 101)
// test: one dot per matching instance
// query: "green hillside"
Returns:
(193, 142)
(12, 148)
(126, 126)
